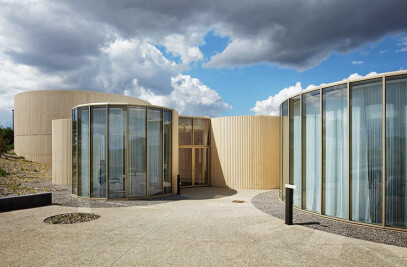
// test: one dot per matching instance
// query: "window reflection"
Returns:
(117, 143)
(311, 126)
(83, 181)
(366, 151)
(98, 152)
(74, 152)
(155, 152)
(185, 131)
(335, 167)
(295, 137)
(137, 152)
(201, 132)
(396, 151)
(167, 151)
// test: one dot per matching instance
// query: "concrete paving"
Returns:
(207, 230)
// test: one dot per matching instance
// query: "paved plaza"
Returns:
(207, 229)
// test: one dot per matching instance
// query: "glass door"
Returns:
(185, 166)
(201, 160)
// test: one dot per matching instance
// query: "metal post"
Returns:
(178, 184)
(288, 206)
(289, 201)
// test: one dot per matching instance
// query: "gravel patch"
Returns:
(70, 218)
(270, 203)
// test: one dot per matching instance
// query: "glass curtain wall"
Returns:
(155, 152)
(167, 151)
(137, 152)
(366, 151)
(295, 143)
(352, 152)
(285, 146)
(311, 164)
(98, 147)
(83, 151)
(334, 141)
(396, 151)
(121, 151)
(74, 152)
(117, 152)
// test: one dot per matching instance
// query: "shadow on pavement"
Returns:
(207, 192)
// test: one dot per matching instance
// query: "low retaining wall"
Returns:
(25, 202)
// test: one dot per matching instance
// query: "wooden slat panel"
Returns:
(245, 152)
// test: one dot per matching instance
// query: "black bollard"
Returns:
(289, 205)
(178, 184)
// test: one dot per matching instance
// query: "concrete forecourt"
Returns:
(208, 229)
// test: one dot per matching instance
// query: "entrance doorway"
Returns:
(194, 151)
(194, 166)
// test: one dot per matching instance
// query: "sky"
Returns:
(203, 58)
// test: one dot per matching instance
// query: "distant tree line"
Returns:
(6, 139)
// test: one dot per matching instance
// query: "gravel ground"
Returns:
(21, 177)
(70, 218)
(270, 203)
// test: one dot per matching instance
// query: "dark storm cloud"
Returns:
(60, 36)
(290, 33)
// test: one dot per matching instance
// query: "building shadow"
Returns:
(207, 192)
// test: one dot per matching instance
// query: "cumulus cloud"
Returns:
(179, 46)
(190, 96)
(271, 105)
(112, 45)
(357, 62)
(357, 76)
(122, 61)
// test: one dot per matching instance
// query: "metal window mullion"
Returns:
(288, 153)
(384, 152)
(162, 154)
(321, 202)
(348, 95)
(301, 156)
(77, 152)
(107, 151)
(281, 150)
(126, 147)
(146, 152)
(89, 154)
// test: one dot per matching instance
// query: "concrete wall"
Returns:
(245, 152)
(35, 110)
(62, 152)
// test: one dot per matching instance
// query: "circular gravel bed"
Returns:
(70, 218)
(270, 203)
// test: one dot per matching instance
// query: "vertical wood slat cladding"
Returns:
(62, 152)
(245, 152)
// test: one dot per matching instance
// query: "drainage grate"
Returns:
(238, 201)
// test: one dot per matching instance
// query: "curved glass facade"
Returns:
(345, 146)
(121, 151)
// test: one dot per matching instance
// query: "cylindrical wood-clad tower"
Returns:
(35, 110)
